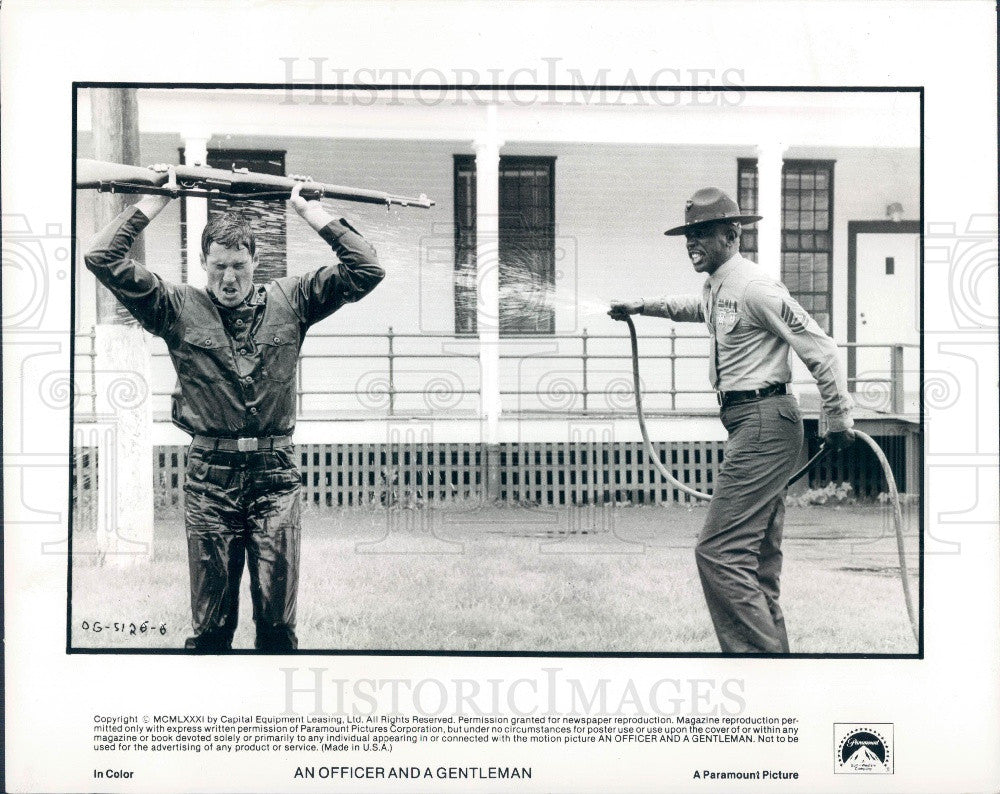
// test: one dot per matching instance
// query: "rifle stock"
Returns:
(201, 181)
(93, 173)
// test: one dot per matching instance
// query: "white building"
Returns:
(570, 192)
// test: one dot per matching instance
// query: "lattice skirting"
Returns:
(599, 473)
(341, 475)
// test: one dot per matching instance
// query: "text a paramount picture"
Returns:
(364, 395)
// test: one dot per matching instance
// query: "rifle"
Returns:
(237, 183)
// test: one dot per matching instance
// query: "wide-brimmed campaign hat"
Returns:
(710, 204)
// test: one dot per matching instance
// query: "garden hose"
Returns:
(897, 513)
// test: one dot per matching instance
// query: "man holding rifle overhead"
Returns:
(753, 322)
(235, 347)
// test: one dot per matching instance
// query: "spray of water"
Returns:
(529, 300)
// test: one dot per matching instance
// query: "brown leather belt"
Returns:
(729, 398)
(242, 444)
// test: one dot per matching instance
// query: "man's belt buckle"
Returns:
(246, 444)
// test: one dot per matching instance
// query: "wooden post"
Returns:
(897, 385)
(913, 449)
(122, 373)
(114, 122)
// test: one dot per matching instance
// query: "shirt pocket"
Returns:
(206, 354)
(279, 351)
(726, 322)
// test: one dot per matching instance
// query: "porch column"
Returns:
(769, 181)
(488, 293)
(195, 210)
(124, 419)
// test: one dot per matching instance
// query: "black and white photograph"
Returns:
(457, 463)
(482, 396)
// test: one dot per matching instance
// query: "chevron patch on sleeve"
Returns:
(795, 322)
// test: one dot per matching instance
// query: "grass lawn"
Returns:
(619, 579)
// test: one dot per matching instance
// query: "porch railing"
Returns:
(576, 349)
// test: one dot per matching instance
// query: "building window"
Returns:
(746, 197)
(526, 245)
(807, 235)
(806, 230)
(465, 244)
(267, 218)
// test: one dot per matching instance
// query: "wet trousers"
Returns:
(739, 549)
(242, 508)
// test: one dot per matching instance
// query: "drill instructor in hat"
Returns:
(752, 322)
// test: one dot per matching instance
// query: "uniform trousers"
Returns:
(242, 508)
(739, 549)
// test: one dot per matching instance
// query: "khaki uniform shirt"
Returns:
(753, 321)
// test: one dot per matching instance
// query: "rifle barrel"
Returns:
(234, 184)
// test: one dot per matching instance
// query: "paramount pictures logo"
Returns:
(863, 748)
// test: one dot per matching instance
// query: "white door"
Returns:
(888, 312)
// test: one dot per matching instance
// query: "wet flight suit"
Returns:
(752, 321)
(236, 396)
